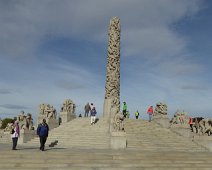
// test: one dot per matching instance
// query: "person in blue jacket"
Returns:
(43, 132)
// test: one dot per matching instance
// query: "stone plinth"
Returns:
(162, 121)
(52, 123)
(26, 135)
(118, 140)
(66, 116)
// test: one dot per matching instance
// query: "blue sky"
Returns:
(51, 50)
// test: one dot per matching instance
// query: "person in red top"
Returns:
(190, 122)
(150, 112)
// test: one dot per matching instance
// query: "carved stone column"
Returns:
(112, 87)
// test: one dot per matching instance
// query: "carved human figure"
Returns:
(41, 108)
(29, 121)
(68, 106)
(48, 111)
(118, 123)
(160, 109)
(21, 116)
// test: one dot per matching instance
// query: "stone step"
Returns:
(104, 159)
(154, 137)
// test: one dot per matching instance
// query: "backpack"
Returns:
(12, 131)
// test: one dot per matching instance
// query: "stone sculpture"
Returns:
(112, 87)
(118, 123)
(25, 121)
(68, 106)
(160, 109)
(48, 112)
(205, 126)
(180, 120)
(8, 128)
(67, 112)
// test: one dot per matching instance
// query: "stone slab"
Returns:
(26, 135)
(118, 140)
(66, 117)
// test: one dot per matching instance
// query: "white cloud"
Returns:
(26, 24)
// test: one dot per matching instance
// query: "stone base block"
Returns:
(162, 121)
(118, 140)
(66, 117)
(52, 123)
(26, 135)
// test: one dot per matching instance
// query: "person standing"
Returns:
(190, 122)
(124, 111)
(15, 134)
(43, 132)
(150, 112)
(136, 114)
(87, 109)
(93, 116)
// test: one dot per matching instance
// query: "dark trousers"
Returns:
(125, 113)
(191, 127)
(136, 117)
(86, 113)
(42, 142)
(15, 141)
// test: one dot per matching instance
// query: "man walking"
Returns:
(87, 109)
(42, 132)
(150, 112)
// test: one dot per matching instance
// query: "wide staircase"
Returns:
(82, 146)
(149, 136)
(78, 133)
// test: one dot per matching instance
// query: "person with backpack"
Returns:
(15, 134)
(42, 132)
(93, 116)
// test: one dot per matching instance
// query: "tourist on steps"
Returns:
(42, 132)
(124, 111)
(15, 134)
(136, 114)
(150, 113)
(93, 116)
(190, 122)
(87, 109)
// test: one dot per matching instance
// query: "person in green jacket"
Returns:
(124, 109)
(136, 114)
